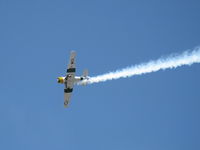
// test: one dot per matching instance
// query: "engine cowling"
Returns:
(61, 80)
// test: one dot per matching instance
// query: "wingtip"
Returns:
(65, 105)
(73, 52)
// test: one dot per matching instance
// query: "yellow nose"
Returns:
(60, 80)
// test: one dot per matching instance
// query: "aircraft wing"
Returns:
(71, 69)
(67, 96)
(67, 93)
(69, 79)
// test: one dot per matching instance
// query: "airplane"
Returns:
(70, 79)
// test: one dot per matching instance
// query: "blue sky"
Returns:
(157, 111)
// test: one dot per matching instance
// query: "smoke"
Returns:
(172, 61)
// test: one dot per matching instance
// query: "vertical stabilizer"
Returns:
(85, 73)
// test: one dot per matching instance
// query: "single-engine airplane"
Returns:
(70, 79)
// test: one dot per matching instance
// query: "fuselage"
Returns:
(69, 79)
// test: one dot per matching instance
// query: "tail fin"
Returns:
(85, 73)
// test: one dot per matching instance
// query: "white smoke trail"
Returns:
(172, 61)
